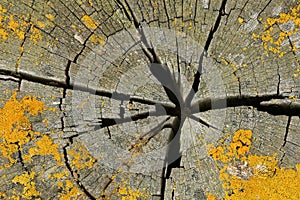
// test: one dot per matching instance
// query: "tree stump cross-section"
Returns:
(124, 99)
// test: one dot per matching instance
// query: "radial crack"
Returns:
(272, 103)
(157, 68)
(81, 186)
(196, 82)
(286, 131)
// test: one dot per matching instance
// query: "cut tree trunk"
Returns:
(141, 88)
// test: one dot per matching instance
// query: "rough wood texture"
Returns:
(140, 88)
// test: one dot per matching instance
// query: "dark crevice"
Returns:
(198, 119)
(20, 157)
(154, 131)
(157, 67)
(173, 154)
(272, 103)
(63, 112)
(228, 14)
(105, 187)
(61, 84)
(239, 81)
(286, 131)
(10, 79)
(71, 138)
(195, 12)
(243, 8)
(107, 122)
(278, 84)
(166, 11)
(67, 74)
(33, 78)
(196, 82)
(74, 174)
(258, 16)
(163, 184)
(19, 85)
(285, 139)
(22, 44)
(68, 66)
(293, 49)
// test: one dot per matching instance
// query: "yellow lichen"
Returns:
(236, 149)
(3, 195)
(36, 35)
(240, 20)
(253, 176)
(91, 3)
(297, 74)
(29, 190)
(209, 196)
(44, 147)
(89, 22)
(15, 126)
(50, 17)
(2, 10)
(127, 193)
(15, 26)
(97, 40)
(271, 40)
(15, 134)
(41, 24)
(60, 175)
(3, 34)
(80, 157)
(70, 191)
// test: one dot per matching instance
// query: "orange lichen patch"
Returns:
(15, 133)
(50, 17)
(263, 166)
(60, 175)
(3, 195)
(91, 3)
(97, 40)
(3, 34)
(236, 149)
(44, 147)
(297, 73)
(15, 126)
(271, 40)
(240, 20)
(40, 24)
(89, 22)
(29, 190)
(2, 10)
(271, 183)
(80, 158)
(70, 191)
(252, 176)
(16, 26)
(36, 35)
(209, 196)
(127, 193)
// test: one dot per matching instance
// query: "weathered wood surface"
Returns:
(89, 60)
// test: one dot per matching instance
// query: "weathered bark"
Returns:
(129, 77)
